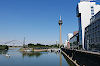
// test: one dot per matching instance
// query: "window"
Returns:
(92, 11)
(92, 7)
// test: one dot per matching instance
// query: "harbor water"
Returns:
(13, 57)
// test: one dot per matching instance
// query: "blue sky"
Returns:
(37, 19)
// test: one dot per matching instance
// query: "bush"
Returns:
(3, 47)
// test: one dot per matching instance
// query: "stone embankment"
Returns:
(83, 58)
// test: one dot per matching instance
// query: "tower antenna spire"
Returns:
(60, 17)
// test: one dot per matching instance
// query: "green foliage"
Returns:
(75, 43)
(3, 47)
(32, 54)
(42, 46)
(70, 44)
(30, 45)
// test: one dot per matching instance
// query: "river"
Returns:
(31, 58)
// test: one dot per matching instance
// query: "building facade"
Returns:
(65, 44)
(74, 41)
(75, 32)
(85, 10)
(92, 33)
(69, 35)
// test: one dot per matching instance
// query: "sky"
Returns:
(37, 20)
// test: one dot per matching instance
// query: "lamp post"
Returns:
(60, 24)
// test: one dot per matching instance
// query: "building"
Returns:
(65, 45)
(68, 45)
(92, 33)
(69, 35)
(85, 10)
(74, 41)
(75, 32)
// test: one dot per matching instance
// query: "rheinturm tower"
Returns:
(60, 24)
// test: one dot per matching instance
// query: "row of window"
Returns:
(92, 32)
(92, 11)
(94, 40)
(93, 25)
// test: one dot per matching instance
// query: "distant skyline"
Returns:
(37, 20)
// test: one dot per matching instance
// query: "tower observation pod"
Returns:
(60, 21)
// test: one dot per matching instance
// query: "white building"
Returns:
(69, 35)
(65, 44)
(85, 10)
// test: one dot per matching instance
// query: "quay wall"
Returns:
(83, 58)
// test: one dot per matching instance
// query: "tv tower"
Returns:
(60, 24)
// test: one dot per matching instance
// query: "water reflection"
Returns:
(3, 52)
(31, 54)
(68, 61)
(38, 54)
(18, 58)
(60, 59)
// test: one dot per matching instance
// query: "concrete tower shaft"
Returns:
(60, 24)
